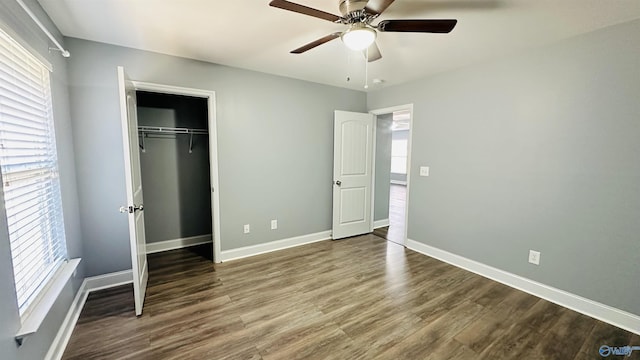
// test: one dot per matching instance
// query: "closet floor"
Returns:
(358, 298)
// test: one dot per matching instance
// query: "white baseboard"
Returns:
(594, 309)
(110, 280)
(380, 223)
(247, 251)
(59, 344)
(398, 182)
(173, 244)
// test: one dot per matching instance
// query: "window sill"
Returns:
(31, 323)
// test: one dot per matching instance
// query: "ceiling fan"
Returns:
(361, 34)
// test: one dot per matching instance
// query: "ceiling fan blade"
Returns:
(372, 53)
(318, 42)
(376, 7)
(301, 9)
(425, 26)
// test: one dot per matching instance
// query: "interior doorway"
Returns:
(210, 99)
(132, 148)
(391, 174)
(175, 168)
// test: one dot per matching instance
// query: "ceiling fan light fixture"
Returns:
(358, 37)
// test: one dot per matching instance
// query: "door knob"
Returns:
(131, 209)
(338, 182)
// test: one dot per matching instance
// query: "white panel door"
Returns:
(134, 207)
(352, 161)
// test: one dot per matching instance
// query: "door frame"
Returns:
(383, 111)
(213, 148)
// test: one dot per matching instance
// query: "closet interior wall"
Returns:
(175, 168)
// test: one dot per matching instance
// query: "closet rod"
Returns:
(170, 130)
(143, 130)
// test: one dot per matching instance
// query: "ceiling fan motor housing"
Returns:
(348, 6)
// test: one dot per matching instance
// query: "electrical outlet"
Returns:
(424, 171)
(274, 224)
(247, 228)
(534, 257)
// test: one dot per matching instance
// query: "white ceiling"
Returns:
(252, 35)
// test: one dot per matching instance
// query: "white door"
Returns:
(134, 207)
(352, 162)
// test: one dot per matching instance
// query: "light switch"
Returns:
(424, 171)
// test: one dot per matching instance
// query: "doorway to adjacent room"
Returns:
(391, 184)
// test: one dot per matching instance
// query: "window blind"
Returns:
(29, 168)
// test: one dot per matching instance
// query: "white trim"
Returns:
(170, 89)
(390, 110)
(61, 340)
(374, 145)
(59, 344)
(252, 250)
(380, 223)
(31, 323)
(213, 149)
(398, 182)
(160, 246)
(110, 280)
(594, 309)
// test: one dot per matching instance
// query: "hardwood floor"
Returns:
(397, 200)
(358, 298)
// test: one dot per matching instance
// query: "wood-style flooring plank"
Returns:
(358, 298)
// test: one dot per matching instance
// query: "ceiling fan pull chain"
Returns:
(348, 65)
(366, 69)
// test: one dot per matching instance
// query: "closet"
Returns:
(174, 161)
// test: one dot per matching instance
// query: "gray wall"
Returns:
(176, 183)
(275, 137)
(399, 135)
(17, 23)
(536, 151)
(383, 167)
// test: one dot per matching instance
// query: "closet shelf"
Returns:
(144, 130)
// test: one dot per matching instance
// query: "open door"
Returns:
(133, 177)
(352, 162)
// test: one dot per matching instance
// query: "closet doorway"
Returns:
(179, 167)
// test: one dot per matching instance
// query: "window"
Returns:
(399, 156)
(29, 168)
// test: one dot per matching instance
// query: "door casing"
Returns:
(213, 148)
